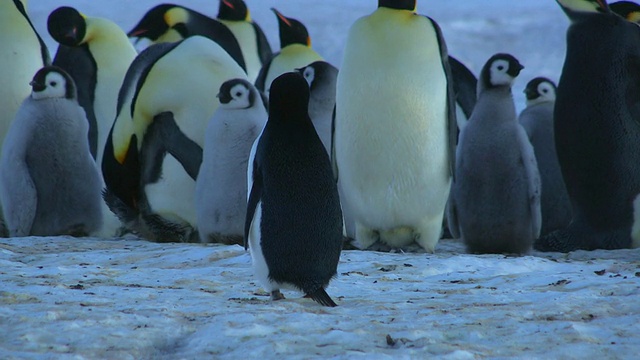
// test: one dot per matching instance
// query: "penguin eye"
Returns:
(238, 93)
(545, 91)
(53, 83)
(500, 67)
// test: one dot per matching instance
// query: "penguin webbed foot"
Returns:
(163, 230)
(277, 295)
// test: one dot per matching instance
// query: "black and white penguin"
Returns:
(154, 150)
(395, 112)
(96, 53)
(627, 9)
(495, 197)
(49, 183)
(252, 40)
(537, 120)
(596, 128)
(170, 23)
(294, 222)
(465, 85)
(295, 51)
(221, 186)
(22, 53)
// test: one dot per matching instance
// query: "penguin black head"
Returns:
(540, 90)
(500, 70)
(233, 10)
(236, 94)
(52, 82)
(288, 97)
(67, 26)
(627, 9)
(315, 70)
(575, 8)
(398, 4)
(291, 31)
(159, 20)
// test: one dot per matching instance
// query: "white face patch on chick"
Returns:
(55, 86)
(499, 73)
(309, 74)
(240, 97)
(547, 91)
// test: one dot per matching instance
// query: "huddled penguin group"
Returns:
(207, 135)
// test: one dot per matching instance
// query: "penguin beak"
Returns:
(228, 4)
(514, 69)
(224, 98)
(71, 35)
(36, 86)
(530, 94)
(281, 17)
(137, 33)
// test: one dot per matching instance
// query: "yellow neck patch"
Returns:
(175, 16)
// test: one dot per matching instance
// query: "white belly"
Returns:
(172, 197)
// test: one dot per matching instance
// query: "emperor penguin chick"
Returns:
(495, 202)
(221, 186)
(537, 120)
(294, 222)
(49, 182)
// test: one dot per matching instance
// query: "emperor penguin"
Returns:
(49, 183)
(255, 47)
(96, 53)
(154, 150)
(465, 84)
(627, 9)
(321, 77)
(221, 186)
(495, 200)
(170, 23)
(23, 52)
(537, 120)
(293, 226)
(596, 128)
(295, 51)
(395, 127)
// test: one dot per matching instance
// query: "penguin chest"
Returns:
(391, 121)
(246, 36)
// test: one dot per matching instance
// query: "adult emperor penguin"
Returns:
(22, 53)
(221, 186)
(596, 128)
(154, 150)
(294, 221)
(295, 51)
(495, 197)
(49, 183)
(395, 126)
(321, 77)
(255, 47)
(627, 9)
(170, 23)
(537, 120)
(96, 53)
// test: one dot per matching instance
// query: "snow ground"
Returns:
(65, 298)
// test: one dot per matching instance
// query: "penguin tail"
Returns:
(320, 296)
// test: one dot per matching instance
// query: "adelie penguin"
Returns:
(154, 150)
(255, 47)
(221, 186)
(294, 222)
(295, 51)
(537, 120)
(596, 128)
(170, 23)
(495, 197)
(395, 127)
(49, 183)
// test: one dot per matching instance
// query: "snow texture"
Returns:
(65, 298)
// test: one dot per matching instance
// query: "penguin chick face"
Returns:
(500, 70)
(233, 10)
(291, 31)
(540, 90)
(52, 82)
(582, 6)
(236, 94)
(308, 73)
(288, 97)
(67, 26)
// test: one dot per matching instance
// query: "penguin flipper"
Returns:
(465, 86)
(533, 180)
(176, 143)
(320, 296)
(44, 51)
(452, 216)
(19, 197)
(252, 202)
(334, 162)
(451, 99)
(262, 75)
(264, 48)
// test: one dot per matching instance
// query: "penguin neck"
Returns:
(499, 97)
(409, 5)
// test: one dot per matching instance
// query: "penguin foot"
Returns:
(574, 238)
(321, 297)
(224, 239)
(277, 295)
(163, 230)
